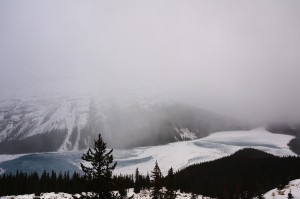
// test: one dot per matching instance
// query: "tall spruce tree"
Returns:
(99, 174)
(157, 182)
(148, 182)
(137, 185)
(170, 194)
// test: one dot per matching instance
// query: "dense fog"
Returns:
(237, 58)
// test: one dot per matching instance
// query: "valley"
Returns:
(178, 154)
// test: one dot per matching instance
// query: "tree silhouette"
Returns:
(99, 174)
(157, 182)
(137, 185)
(169, 182)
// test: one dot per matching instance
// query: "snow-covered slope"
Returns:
(144, 194)
(293, 187)
(178, 154)
(124, 120)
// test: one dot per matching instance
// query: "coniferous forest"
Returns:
(245, 174)
(22, 183)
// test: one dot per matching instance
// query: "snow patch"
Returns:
(144, 194)
(2, 171)
(293, 187)
(186, 134)
(4, 158)
(51, 195)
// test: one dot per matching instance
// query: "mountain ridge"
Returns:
(72, 123)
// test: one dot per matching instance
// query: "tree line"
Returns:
(23, 183)
(246, 174)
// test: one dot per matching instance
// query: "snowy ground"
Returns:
(178, 155)
(293, 187)
(42, 196)
(144, 194)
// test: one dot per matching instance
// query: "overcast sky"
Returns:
(240, 58)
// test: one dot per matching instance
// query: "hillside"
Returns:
(124, 120)
(292, 187)
(245, 174)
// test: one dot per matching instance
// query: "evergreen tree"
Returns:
(122, 193)
(170, 194)
(99, 174)
(137, 185)
(290, 195)
(157, 185)
(148, 182)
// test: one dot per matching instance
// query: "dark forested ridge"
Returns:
(245, 174)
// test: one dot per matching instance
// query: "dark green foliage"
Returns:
(245, 174)
(122, 193)
(99, 174)
(157, 182)
(147, 181)
(144, 182)
(23, 183)
(170, 185)
(137, 184)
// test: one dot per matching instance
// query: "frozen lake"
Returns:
(177, 155)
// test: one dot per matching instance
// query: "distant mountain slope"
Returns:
(71, 123)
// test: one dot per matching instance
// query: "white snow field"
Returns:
(182, 154)
(51, 195)
(144, 194)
